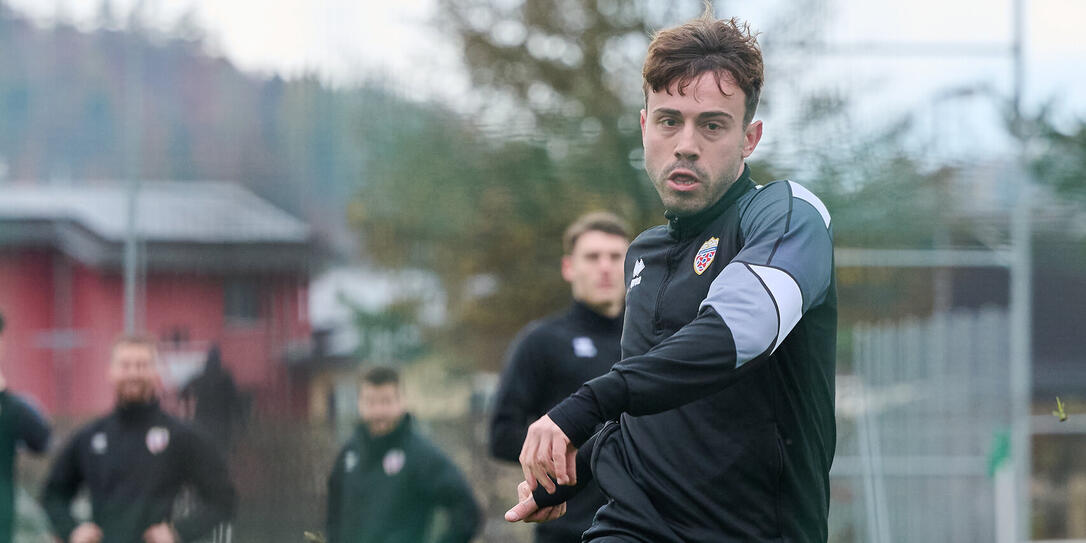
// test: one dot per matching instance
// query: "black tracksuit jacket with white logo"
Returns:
(724, 396)
(549, 360)
(135, 462)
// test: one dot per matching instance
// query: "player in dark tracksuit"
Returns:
(552, 357)
(388, 480)
(19, 424)
(134, 462)
(550, 361)
(724, 398)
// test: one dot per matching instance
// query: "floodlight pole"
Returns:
(1021, 302)
(134, 103)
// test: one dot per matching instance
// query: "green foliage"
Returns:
(485, 216)
(574, 65)
(1060, 158)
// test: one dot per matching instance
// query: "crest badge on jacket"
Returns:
(705, 255)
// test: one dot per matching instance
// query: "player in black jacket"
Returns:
(19, 424)
(389, 480)
(551, 358)
(724, 397)
(134, 463)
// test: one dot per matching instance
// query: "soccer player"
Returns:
(134, 462)
(553, 357)
(723, 402)
(19, 423)
(388, 481)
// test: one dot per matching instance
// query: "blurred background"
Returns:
(314, 187)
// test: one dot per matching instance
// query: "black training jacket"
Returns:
(549, 360)
(725, 392)
(135, 462)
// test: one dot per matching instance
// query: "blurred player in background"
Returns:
(134, 462)
(551, 358)
(389, 480)
(20, 423)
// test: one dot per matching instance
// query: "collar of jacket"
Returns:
(684, 227)
(380, 444)
(595, 321)
(137, 411)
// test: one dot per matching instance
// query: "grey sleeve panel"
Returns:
(783, 270)
(744, 303)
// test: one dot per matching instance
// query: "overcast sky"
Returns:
(347, 40)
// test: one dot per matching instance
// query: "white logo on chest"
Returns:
(583, 347)
(393, 462)
(350, 460)
(99, 443)
(158, 438)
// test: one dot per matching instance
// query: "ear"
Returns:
(751, 137)
(643, 115)
(567, 268)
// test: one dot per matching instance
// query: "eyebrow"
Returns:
(701, 116)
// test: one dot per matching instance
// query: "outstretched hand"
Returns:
(548, 456)
(528, 511)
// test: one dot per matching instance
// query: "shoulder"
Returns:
(650, 236)
(88, 430)
(20, 404)
(783, 198)
(352, 444)
(425, 449)
(539, 331)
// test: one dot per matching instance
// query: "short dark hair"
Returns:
(720, 46)
(596, 221)
(380, 376)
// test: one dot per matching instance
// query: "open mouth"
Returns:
(682, 180)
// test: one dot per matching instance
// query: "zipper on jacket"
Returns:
(663, 288)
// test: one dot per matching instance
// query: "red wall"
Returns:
(32, 287)
(27, 304)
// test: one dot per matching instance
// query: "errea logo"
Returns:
(639, 266)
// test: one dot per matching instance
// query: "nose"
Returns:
(686, 147)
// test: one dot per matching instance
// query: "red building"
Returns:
(217, 265)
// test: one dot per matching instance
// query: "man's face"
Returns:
(695, 143)
(380, 407)
(133, 373)
(594, 268)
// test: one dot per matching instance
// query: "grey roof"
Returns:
(168, 211)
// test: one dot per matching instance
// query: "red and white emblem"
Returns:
(393, 462)
(158, 438)
(705, 255)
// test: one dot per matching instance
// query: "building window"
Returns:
(242, 301)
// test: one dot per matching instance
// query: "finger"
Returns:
(521, 510)
(558, 460)
(544, 478)
(571, 466)
(556, 511)
(525, 466)
(527, 456)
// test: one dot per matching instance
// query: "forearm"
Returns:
(697, 361)
(58, 509)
